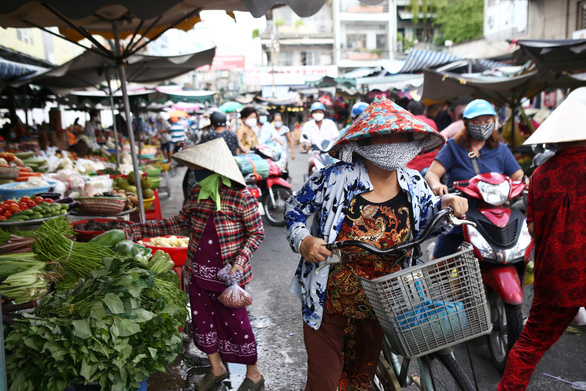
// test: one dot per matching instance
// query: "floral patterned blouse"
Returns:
(381, 224)
(327, 195)
(248, 139)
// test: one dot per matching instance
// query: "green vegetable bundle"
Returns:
(24, 277)
(115, 328)
(77, 259)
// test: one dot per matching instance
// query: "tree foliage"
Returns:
(459, 20)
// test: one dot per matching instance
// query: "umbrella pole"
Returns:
(122, 73)
(114, 125)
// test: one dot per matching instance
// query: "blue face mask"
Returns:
(202, 174)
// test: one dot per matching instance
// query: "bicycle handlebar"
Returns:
(402, 248)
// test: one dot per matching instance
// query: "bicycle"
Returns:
(423, 309)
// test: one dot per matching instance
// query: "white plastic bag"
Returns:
(580, 318)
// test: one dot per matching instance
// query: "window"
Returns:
(356, 41)
(381, 41)
(581, 24)
(288, 58)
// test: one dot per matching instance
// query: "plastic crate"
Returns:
(426, 308)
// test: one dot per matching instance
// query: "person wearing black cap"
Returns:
(218, 123)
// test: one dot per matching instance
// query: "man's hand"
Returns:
(458, 204)
(314, 250)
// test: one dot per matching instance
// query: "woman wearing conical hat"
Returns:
(370, 196)
(225, 229)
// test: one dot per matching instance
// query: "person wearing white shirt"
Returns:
(267, 133)
(318, 129)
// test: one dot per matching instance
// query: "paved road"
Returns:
(276, 319)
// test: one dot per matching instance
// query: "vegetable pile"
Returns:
(93, 225)
(163, 241)
(113, 317)
(115, 328)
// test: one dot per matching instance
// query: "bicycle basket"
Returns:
(425, 308)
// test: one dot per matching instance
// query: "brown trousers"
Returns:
(342, 354)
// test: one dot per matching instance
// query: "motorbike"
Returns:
(274, 189)
(319, 157)
(502, 244)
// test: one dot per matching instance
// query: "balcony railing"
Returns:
(363, 55)
(300, 28)
(355, 6)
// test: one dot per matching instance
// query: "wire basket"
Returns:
(425, 308)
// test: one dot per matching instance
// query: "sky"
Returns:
(219, 30)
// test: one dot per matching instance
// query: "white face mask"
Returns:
(251, 122)
(262, 119)
(318, 116)
(278, 124)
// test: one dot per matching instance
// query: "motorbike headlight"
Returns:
(518, 251)
(480, 243)
(494, 194)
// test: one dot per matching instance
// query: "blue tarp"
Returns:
(10, 70)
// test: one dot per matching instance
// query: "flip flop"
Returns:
(249, 385)
(209, 380)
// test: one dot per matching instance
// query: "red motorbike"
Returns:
(502, 244)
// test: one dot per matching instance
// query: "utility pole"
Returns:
(274, 51)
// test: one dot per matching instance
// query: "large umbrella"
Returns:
(141, 20)
(230, 107)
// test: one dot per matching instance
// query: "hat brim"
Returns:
(213, 155)
(564, 124)
(383, 117)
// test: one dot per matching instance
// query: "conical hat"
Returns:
(213, 155)
(566, 123)
(383, 117)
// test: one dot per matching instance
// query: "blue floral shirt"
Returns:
(327, 195)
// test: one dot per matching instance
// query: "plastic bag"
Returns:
(233, 296)
(580, 318)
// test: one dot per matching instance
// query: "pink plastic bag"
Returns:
(233, 296)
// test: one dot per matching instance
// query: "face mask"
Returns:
(480, 132)
(389, 157)
(262, 119)
(202, 174)
(317, 116)
(278, 124)
(251, 122)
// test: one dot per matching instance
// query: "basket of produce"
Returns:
(89, 229)
(155, 182)
(9, 172)
(21, 189)
(175, 246)
(152, 170)
(101, 206)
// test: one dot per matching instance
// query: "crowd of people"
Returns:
(393, 171)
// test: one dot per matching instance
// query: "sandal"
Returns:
(209, 380)
(249, 385)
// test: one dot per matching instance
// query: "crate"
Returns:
(426, 308)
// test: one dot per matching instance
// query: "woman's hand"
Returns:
(458, 204)
(314, 250)
(440, 189)
(236, 268)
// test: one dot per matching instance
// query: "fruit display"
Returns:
(34, 208)
(126, 186)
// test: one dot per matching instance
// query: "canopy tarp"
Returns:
(383, 83)
(89, 70)
(557, 55)
(439, 86)
(177, 94)
(419, 59)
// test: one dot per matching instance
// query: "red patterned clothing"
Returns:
(238, 224)
(556, 205)
(380, 224)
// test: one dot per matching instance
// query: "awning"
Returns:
(384, 83)
(558, 55)
(89, 69)
(177, 94)
(419, 59)
(11, 70)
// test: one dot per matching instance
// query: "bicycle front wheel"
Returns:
(445, 374)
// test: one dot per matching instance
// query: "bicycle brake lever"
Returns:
(453, 220)
(333, 259)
